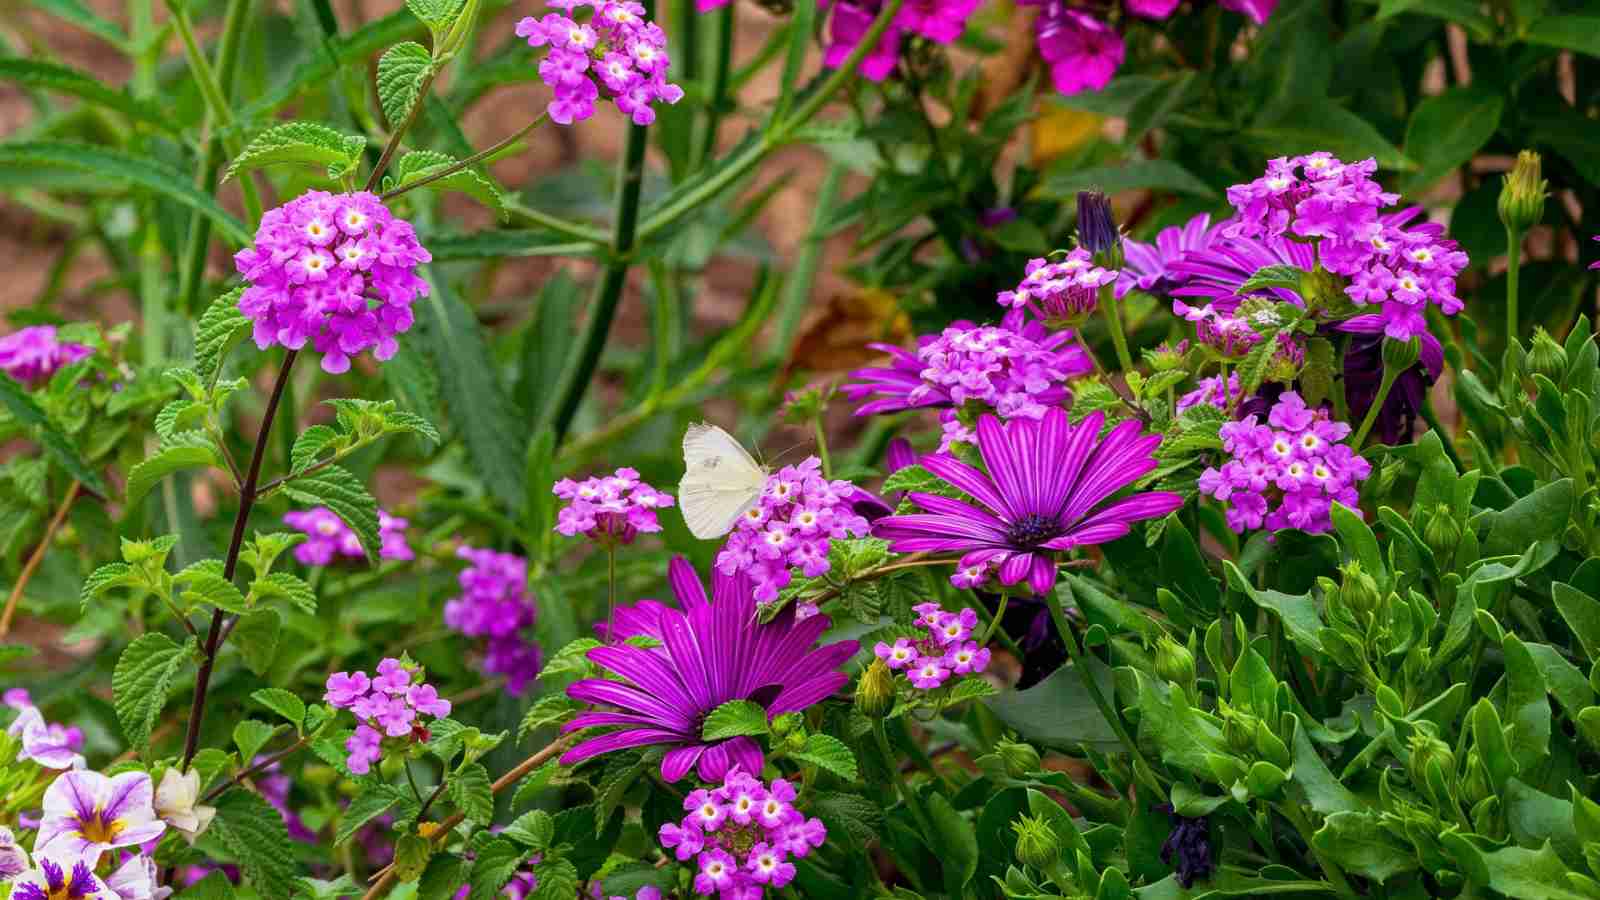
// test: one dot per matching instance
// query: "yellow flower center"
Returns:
(99, 830)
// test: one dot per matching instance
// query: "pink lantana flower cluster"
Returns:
(938, 21)
(1063, 292)
(337, 270)
(1338, 204)
(928, 662)
(33, 354)
(792, 525)
(494, 605)
(616, 54)
(743, 835)
(609, 510)
(328, 537)
(50, 744)
(388, 705)
(1288, 472)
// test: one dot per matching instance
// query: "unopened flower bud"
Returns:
(1037, 844)
(13, 859)
(1097, 229)
(1358, 590)
(1522, 194)
(875, 691)
(1167, 357)
(1442, 534)
(1021, 759)
(1174, 662)
(786, 723)
(1239, 730)
(1426, 751)
(1399, 356)
(1475, 780)
(1547, 357)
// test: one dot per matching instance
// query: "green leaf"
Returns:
(1581, 612)
(253, 832)
(444, 876)
(621, 771)
(558, 880)
(828, 753)
(1518, 871)
(184, 450)
(470, 790)
(1298, 612)
(1355, 841)
(734, 719)
(1527, 705)
(105, 578)
(1311, 776)
(221, 327)
(401, 71)
(1324, 125)
(1542, 514)
(114, 166)
(534, 829)
(1280, 276)
(1154, 174)
(1580, 33)
(497, 860)
(141, 680)
(436, 14)
(256, 637)
(958, 844)
(1058, 710)
(1449, 128)
(283, 703)
(1358, 541)
(347, 497)
(300, 142)
(250, 736)
(411, 855)
(215, 886)
(419, 164)
(850, 816)
(284, 586)
(66, 80)
(22, 407)
(368, 804)
(203, 583)
(308, 447)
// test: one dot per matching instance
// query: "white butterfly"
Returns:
(721, 480)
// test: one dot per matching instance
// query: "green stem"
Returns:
(611, 587)
(1107, 711)
(470, 161)
(1121, 390)
(994, 624)
(1329, 867)
(797, 289)
(1389, 376)
(214, 92)
(580, 366)
(908, 794)
(575, 230)
(1513, 270)
(717, 87)
(822, 446)
(735, 167)
(1113, 315)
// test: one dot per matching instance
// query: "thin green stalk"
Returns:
(215, 94)
(1121, 390)
(580, 366)
(729, 171)
(716, 87)
(1107, 711)
(1389, 376)
(474, 159)
(1113, 315)
(797, 290)
(1513, 270)
(908, 794)
(822, 446)
(555, 223)
(994, 624)
(611, 587)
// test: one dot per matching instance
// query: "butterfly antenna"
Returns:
(790, 449)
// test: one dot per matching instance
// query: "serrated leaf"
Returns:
(366, 805)
(108, 576)
(537, 780)
(283, 703)
(436, 14)
(22, 407)
(141, 680)
(622, 770)
(212, 887)
(256, 637)
(558, 880)
(300, 142)
(420, 164)
(551, 709)
(285, 586)
(401, 71)
(1276, 276)
(117, 167)
(411, 855)
(221, 327)
(347, 497)
(470, 790)
(250, 736)
(254, 834)
(310, 445)
(533, 829)
(829, 753)
(496, 862)
(444, 876)
(203, 583)
(185, 450)
(736, 718)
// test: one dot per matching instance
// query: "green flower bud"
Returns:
(1399, 356)
(1358, 590)
(1174, 662)
(1239, 730)
(1323, 290)
(1021, 760)
(1166, 357)
(1037, 844)
(1547, 357)
(1427, 751)
(875, 691)
(786, 723)
(1522, 194)
(1475, 780)
(1442, 534)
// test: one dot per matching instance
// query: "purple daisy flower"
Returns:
(712, 651)
(1045, 492)
(1149, 267)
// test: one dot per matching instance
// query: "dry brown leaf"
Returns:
(836, 339)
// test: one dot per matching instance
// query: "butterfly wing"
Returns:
(720, 481)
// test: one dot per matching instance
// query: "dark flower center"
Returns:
(1032, 530)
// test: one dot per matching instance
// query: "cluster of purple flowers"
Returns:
(792, 525)
(50, 744)
(494, 605)
(318, 264)
(33, 354)
(938, 21)
(609, 510)
(1017, 369)
(328, 537)
(386, 705)
(617, 51)
(930, 661)
(1060, 293)
(1316, 196)
(1287, 473)
(742, 834)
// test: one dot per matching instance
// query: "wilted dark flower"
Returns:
(1188, 847)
